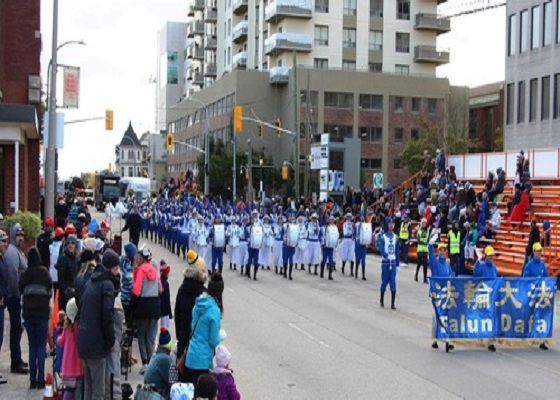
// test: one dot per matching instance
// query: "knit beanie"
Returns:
(130, 250)
(216, 285)
(89, 244)
(196, 267)
(165, 340)
(223, 356)
(110, 259)
(164, 268)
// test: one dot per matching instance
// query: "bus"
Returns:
(106, 190)
(140, 186)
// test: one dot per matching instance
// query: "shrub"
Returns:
(30, 222)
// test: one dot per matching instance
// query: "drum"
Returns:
(201, 240)
(331, 237)
(256, 237)
(302, 244)
(219, 235)
(292, 235)
(234, 241)
(366, 235)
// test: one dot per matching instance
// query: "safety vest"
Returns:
(403, 234)
(422, 241)
(454, 240)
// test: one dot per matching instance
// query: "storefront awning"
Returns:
(18, 122)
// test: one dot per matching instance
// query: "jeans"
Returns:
(147, 331)
(37, 330)
(16, 329)
(404, 250)
(113, 375)
(94, 378)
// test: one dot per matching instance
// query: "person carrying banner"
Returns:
(454, 247)
(389, 249)
(486, 269)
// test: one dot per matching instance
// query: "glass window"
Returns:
(371, 163)
(349, 7)
(399, 133)
(416, 103)
(535, 27)
(402, 69)
(321, 35)
(523, 30)
(403, 42)
(432, 106)
(348, 65)
(349, 38)
(371, 134)
(375, 67)
(371, 101)
(340, 100)
(414, 135)
(510, 101)
(512, 34)
(376, 8)
(313, 98)
(556, 96)
(322, 6)
(521, 102)
(545, 98)
(376, 40)
(337, 133)
(403, 9)
(533, 98)
(547, 23)
(321, 63)
(399, 104)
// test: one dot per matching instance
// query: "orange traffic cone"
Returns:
(48, 393)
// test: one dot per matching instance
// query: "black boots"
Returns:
(322, 271)
(352, 269)
(343, 265)
(316, 266)
(393, 296)
(285, 271)
(330, 273)
(290, 273)
(381, 299)
(416, 274)
(255, 272)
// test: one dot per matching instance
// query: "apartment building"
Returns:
(365, 72)
(532, 84)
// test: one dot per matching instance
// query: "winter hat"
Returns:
(34, 258)
(99, 244)
(164, 268)
(49, 222)
(223, 356)
(3, 235)
(89, 244)
(58, 233)
(110, 259)
(196, 267)
(216, 285)
(145, 253)
(165, 340)
(71, 309)
(130, 250)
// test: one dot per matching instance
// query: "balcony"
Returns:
(432, 22)
(239, 7)
(240, 60)
(198, 79)
(190, 13)
(195, 29)
(280, 42)
(431, 55)
(288, 9)
(210, 43)
(240, 31)
(195, 53)
(199, 5)
(210, 70)
(279, 75)
(210, 16)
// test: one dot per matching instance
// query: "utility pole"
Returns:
(296, 125)
(250, 172)
(234, 168)
(308, 135)
(51, 145)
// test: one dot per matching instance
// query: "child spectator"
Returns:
(157, 373)
(227, 390)
(59, 351)
(127, 270)
(165, 296)
(206, 387)
(72, 371)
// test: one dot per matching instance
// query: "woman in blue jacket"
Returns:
(439, 268)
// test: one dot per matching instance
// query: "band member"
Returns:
(278, 230)
(218, 239)
(346, 250)
(238, 244)
(363, 238)
(255, 243)
(265, 253)
(200, 236)
(299, 255)
(329, 239)
(313, 252)
(291, 237)
(184, 233)
(389, 249)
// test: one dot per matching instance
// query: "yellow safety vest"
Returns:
(422, 236)
(454, 242)
(404, 231)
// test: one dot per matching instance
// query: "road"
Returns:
(319, 339)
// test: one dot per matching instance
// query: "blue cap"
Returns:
(388, 220)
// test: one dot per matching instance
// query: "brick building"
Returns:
(20, 95)
(486, 115)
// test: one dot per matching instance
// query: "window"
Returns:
(313, 98)
(399, 104)
(403, 9)
(340, 100)
(557, 21)
(521, 102)
(512, 34)
(229, 26)
(509, 103)
(397, 163)
(322, 6)
(375, 67)
(399, 133)
(547, 23)
(533, 98)
(432, 106)
(376, 8)
(523, 30)
(414, 134)
(321, 63)
(402, 69)
(371, 163)
(371, 134)
(348, 65)
(545, 98)
(535, 27)
(349, 38)
(349, 7)
(337, 133)
(416, 103)
(556, 96)
(371, 101)
(321, 35)
(376, 40)
(403, 42)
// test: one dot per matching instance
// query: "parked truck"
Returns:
(106, 190)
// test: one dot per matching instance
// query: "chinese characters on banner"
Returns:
(508, 308)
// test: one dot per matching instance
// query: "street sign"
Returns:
(378, 180)
(319, 157)
(324, 139)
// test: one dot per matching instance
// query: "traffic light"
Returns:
(108, 120)
(169, 141)
(260, 131)
(278, 126)
(284, 172)
(237, 122)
